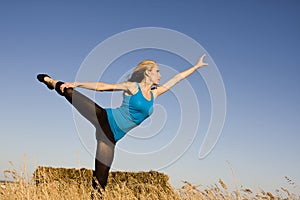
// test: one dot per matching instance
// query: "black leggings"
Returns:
(105, 139)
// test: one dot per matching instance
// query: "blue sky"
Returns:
(255, 45)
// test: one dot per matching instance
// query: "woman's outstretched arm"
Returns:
(180, 76)
(100, 86)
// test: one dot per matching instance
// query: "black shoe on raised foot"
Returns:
(41, 77)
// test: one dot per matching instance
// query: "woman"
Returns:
(112, 124)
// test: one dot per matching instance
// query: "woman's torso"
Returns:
(133, 111)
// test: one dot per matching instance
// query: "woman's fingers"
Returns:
(200, 62)
(203, 56)
(66, 85)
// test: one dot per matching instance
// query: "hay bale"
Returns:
(151, 177)
(62, 175)
(138, 183)
(141, 182)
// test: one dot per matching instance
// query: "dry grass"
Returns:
(49, 183)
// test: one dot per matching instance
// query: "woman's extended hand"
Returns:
(200, 62)
(67, 85)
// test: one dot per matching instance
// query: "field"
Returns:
(60, 183)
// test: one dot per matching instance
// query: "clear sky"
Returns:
(254, 44)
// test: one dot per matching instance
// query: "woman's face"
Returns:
(154, 75)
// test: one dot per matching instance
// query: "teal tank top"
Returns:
(132, 112)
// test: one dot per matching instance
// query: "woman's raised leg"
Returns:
(85, 106)
(97, 116)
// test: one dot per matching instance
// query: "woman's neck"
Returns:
(146, 85)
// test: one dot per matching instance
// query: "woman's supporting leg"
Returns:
(103, 161)
(105, 141)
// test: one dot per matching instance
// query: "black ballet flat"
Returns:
(41, 77)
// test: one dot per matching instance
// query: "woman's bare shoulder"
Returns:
(132, 88)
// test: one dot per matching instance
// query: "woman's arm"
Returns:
(100, 86)
(180, 76)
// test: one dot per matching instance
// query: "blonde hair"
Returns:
(139, 72)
